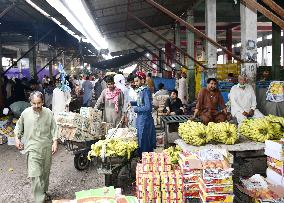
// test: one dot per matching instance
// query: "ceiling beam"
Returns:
(162, 37)
(254, 5)
(3, 13)
(275, 7)
(193, 29)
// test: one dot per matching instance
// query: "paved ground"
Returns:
(65, 180)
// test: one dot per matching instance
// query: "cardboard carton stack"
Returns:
(80, 127)
(275, 161)
(156, 182)
(216, 183)
(191, 169)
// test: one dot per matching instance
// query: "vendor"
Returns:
(243, 101)
(209, 102)
(173, 105)
(144, 122)
(112, 100)
(161, 90)
(61, 97)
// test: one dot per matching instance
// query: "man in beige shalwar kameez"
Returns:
(37, 129)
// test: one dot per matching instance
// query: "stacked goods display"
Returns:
(196, 133)
(275, 92)
(275, 161)
(216, 182)
(261, 129)
(191, 169)
(156, 182)
(80, 127)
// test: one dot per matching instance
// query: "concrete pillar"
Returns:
(276, 51)
(263, 54)
(32, 61)
(2, 98)
(190, 63)
(229, 39)
(177, 43)
(249, 42)
(211, 50)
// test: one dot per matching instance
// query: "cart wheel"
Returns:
(81, 162)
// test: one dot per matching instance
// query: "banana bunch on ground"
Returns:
(277, 124)
(194, 133)
(259, 129)
(113, 148)
(173, 153)
(223, 132)
(276, 88)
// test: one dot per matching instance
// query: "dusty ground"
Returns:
(65, 180)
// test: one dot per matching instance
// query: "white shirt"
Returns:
(59, 101)
(242, 99)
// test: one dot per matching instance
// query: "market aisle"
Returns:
(65, 180)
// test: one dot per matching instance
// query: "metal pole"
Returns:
(145, 48)
(35, 44)
(50, 61)
(163, 38)
(3, 13)
(193, 29)
(254, 5)
(153, 45)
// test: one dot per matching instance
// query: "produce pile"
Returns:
(113, 148)
(196, 133)
(173, 153)
(261, 129)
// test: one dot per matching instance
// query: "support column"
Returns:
(249, 42)
(211, 50)
(2, 98)
(263, 54)
(190, 63)
(276, 51)
(19, 64)
(32, 61)
(177, 43)
(229, 39)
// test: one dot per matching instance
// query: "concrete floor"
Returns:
(65, 180)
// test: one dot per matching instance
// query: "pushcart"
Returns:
(80, 151)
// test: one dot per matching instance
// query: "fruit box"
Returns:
(209, 173)
(213, 181)
(211, 197)
(276, 165)
(191, 194)
(191, 178)
(218, 189)
(191, 187)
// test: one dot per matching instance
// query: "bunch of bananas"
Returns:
(113, 148)
(173, 153)
(259, 129)
(277, 124)
(276, 88)
(223, 132)
(194, 133)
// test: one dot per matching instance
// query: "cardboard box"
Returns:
(274, 177)
(211, 197)
(275, 165)
(217, 189)
(275, 149)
